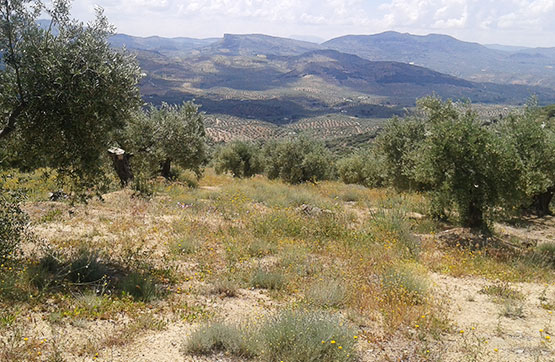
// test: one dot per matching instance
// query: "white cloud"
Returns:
(432, 14)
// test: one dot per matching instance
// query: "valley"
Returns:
(263, 86)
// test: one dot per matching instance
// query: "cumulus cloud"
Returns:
(487, 14)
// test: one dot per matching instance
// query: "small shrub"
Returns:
(298, 160)
(546, 253)
(141, 287)
(189, 178)
(225, 286)
(46, 272)
(142, 186)
(218, 337)
(306, 336)
(260, 248)
(268, 280)
(87, 267)
(327, 293)
(502, 292)
(512, 309)
(185, 246)
(403, 284)
(367, 169)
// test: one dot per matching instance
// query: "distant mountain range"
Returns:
(281, 80)
(442, 53)
(472, 61)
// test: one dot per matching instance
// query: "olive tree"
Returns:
(464, 163)
(240, 158)
(395, 144)
(532, 140)
(298, 160)
(365, 168)
(63, 90)
(168, 134)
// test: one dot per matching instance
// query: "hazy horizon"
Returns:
(513, 22)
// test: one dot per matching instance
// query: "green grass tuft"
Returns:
(268, 280)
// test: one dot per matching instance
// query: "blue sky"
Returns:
(511, 22)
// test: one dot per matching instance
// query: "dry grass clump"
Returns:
(225, 287)
(502, 292)
(404, 284)
(141, 287)
(260, 248)
(87, 267)
(217, 337)
(272, 280)
(327, 293)
(298, 260)
(545, 252)
(512, 309)
(304, 336)
(90, 269)
(185, 246)
(291, 335)
(393, 226)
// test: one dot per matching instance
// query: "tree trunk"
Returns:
(540, 202)
(475, 218)
(120, 161)
(166, 168)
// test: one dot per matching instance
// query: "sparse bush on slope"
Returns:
(298, 160)
(531, 139)
(364, 168)
(242, 159)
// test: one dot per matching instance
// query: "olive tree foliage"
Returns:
(531, 137)
(465, 164)
(242, 159)
(63, 90)
(365, 168)
(298, 160)
(169, 134)
(395, 144)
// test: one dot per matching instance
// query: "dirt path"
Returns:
(489, 333)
